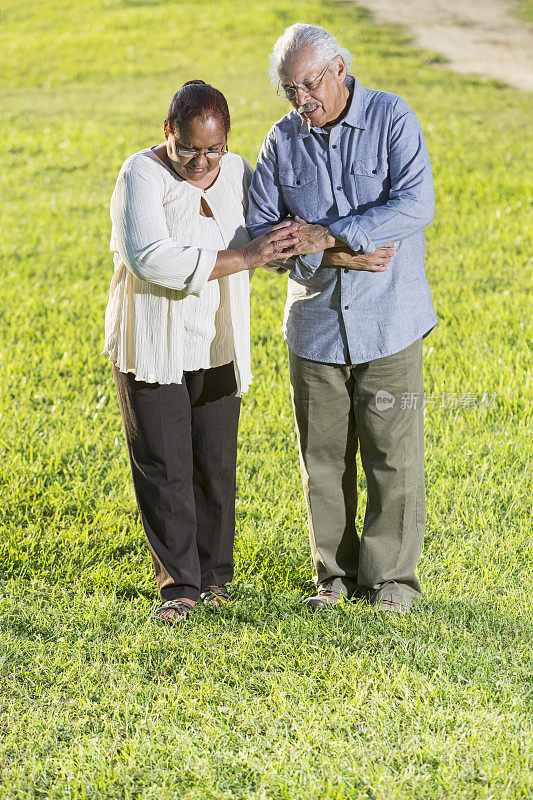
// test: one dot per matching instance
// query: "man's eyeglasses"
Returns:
(291, 92)
(186, 152)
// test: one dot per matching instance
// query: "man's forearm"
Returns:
(342, 247)
(397, 219)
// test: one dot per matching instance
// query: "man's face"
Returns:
(322, 103)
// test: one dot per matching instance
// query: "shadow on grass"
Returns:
(38, 611)
(134, 592)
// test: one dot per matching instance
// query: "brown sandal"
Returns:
(181, 608)
(215, 596)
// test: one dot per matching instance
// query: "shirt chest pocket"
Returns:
(299, 188)
(371, 180)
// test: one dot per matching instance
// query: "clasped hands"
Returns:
(310, 238)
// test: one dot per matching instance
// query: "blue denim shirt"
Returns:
(369, 180)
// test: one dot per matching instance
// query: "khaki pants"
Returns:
(378, 406)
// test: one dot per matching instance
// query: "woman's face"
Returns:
(195, 149)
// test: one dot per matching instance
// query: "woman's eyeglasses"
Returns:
(186, 152)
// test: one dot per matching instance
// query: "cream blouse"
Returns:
(158, 262)
(208, 333)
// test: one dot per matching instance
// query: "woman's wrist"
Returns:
(238, 260)
(228, 262)
(242, 260)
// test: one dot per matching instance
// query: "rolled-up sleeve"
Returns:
(143, 241)
(266, 207)
(411, 203)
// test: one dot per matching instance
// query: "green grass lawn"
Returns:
(525, 9)
(261, 701)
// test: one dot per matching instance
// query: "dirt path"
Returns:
(479, 36)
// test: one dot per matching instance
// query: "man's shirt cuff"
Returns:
(351, 233)
(305, 266)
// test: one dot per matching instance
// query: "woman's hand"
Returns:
(275, 245)
(377, 261)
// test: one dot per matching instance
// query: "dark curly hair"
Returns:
(196, 99)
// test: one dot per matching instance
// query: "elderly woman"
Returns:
(177, 333)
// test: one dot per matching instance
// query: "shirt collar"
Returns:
(356, 115)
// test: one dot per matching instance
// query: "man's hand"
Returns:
(311, 238)
(377, 261)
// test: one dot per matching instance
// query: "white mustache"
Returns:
(308, 107)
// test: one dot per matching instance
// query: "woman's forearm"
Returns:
(228, 263)
(276, 244)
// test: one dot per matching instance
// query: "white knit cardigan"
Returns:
(154, 218)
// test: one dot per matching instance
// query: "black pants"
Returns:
(182, 444)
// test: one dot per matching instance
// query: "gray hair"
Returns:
(300, 35)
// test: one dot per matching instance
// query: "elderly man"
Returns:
(349, 164)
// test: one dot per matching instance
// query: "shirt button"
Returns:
(339, 188)
(334, 146)
(346, 308)
(346, 271)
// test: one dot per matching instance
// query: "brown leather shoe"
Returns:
(322, 600)
(389, 607)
